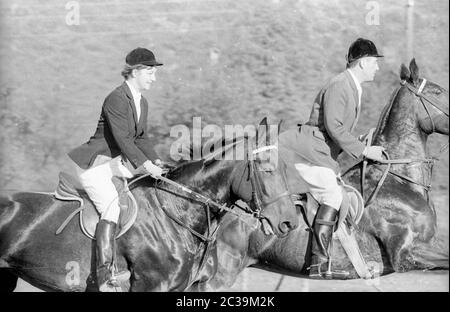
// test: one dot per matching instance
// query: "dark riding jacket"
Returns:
(118, 132)
(328, 131)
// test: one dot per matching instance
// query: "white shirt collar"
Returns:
(136, 99)
(135, 93)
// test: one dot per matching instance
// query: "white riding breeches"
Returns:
(98, 184)
(321, 183)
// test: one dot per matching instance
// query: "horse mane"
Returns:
(183, 166)
(386, 112)
(209, 158)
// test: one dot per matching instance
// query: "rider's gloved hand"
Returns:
(151, 168)
(165, 166)
(374, 152)
(158, 162)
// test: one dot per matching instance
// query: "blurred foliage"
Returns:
(229, 62)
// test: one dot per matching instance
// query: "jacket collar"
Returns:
(134, 92)
(355, 81)
(127, 91)
(356, 97)
(353, 86)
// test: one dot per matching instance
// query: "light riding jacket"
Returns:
(333, 117)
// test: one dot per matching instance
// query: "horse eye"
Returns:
(436, 90)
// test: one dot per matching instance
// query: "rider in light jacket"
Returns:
(318, 143)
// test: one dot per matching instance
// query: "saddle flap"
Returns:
(89, 216)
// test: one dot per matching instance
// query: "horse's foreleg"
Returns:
(419, 255)
(231, 263)
(200, 287)
(432, 255)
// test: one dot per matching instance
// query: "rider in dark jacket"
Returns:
(120, 147)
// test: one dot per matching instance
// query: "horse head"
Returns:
(264, 184)
(432, 109)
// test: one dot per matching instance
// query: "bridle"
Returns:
(256, 184)
(424, 99)
(255, 180)
(428, 99)
(211, 234)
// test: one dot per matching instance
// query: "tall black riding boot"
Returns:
(105, 241)
(323, 230)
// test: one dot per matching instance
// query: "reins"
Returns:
(389, 162)
(207, 202)
(406, 161)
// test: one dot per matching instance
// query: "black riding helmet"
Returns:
(142, 56)
(362, 48)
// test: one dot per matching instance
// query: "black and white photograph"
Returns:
(238, 149)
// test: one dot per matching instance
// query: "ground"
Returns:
(416, 281)
(255, 280)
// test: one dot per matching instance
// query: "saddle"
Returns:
(70, 189)
(350, 213)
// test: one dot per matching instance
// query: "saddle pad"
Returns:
(68, 190)
(352, 206)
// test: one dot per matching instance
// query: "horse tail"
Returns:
(7, 205)
(8, 209)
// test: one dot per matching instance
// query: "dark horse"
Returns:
(396, 232)
(161, 254)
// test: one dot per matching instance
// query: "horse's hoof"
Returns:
(114, 283)
(110, 287)
(122, 276)
(317, 274)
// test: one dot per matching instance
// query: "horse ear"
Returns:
(263, 122)
(404, 72)
(279, 125)
(261, 132)
(414, 69)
